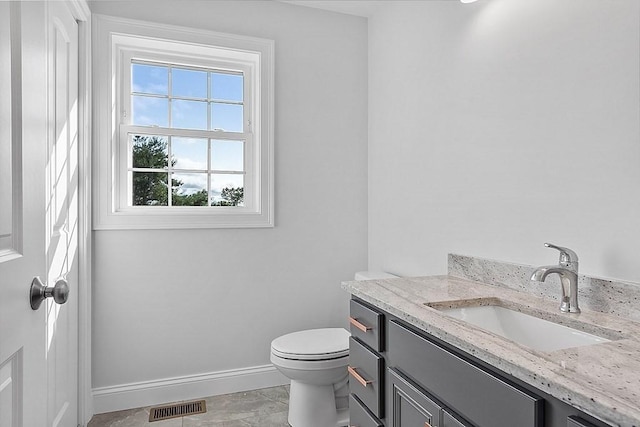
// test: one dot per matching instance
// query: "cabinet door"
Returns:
(449, 420)
(409, 406)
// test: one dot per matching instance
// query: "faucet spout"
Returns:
(569, 286)
(541, 273)
(567, 270)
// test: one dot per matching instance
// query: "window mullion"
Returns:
(169, 95)
(148, 170)
(209, 172)
(209, 139)
(169, 173)
(209, 101)
(227, 172)
(223, 101)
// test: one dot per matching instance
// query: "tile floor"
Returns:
(265, 408)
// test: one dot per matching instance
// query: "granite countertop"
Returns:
(602, 380)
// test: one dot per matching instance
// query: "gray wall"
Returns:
(181, 302)
(499, 125)
(493, 127)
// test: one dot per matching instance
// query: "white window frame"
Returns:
(119, 41)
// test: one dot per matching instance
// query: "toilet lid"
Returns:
(312, 344)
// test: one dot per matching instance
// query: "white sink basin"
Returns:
(530, 331)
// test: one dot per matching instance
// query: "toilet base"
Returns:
(315, 406)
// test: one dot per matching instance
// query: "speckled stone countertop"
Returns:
(602, 380)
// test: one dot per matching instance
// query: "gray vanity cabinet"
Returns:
(401, 376)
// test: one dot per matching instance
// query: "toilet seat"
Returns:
(312, 345)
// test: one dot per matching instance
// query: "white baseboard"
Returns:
(147, 393)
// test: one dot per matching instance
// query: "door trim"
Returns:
(82, 14)
(11, 244)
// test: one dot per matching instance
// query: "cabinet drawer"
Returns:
(467, 389)
(408, 406)
(366, 376)
(359, 416)
(448, 420)
(367, 325)
(578, 422)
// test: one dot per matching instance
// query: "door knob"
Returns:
(39, 292)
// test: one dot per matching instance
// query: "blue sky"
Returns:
(192, 94)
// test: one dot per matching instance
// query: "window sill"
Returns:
(183, 218)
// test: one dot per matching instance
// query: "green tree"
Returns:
(196, 199)
(150, 188)
(231, 196)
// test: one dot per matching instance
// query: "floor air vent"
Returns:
(177, 410)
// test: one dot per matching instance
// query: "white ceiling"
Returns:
(364, 8)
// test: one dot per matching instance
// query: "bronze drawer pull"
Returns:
(363, 328)
(357, 376)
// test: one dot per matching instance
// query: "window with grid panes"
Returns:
(187, 142)
(186, 136)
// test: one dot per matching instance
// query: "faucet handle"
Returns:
(567, 256)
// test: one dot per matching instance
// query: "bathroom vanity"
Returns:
(411, 364)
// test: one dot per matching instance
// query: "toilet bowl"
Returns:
(316, 362)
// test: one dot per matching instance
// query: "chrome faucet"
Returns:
(567, 269)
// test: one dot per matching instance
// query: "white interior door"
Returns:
(38, 213)
(22, 148)
(61, 229)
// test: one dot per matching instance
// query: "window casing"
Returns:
(240, 123)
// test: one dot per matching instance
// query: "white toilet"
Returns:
(316, 362)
